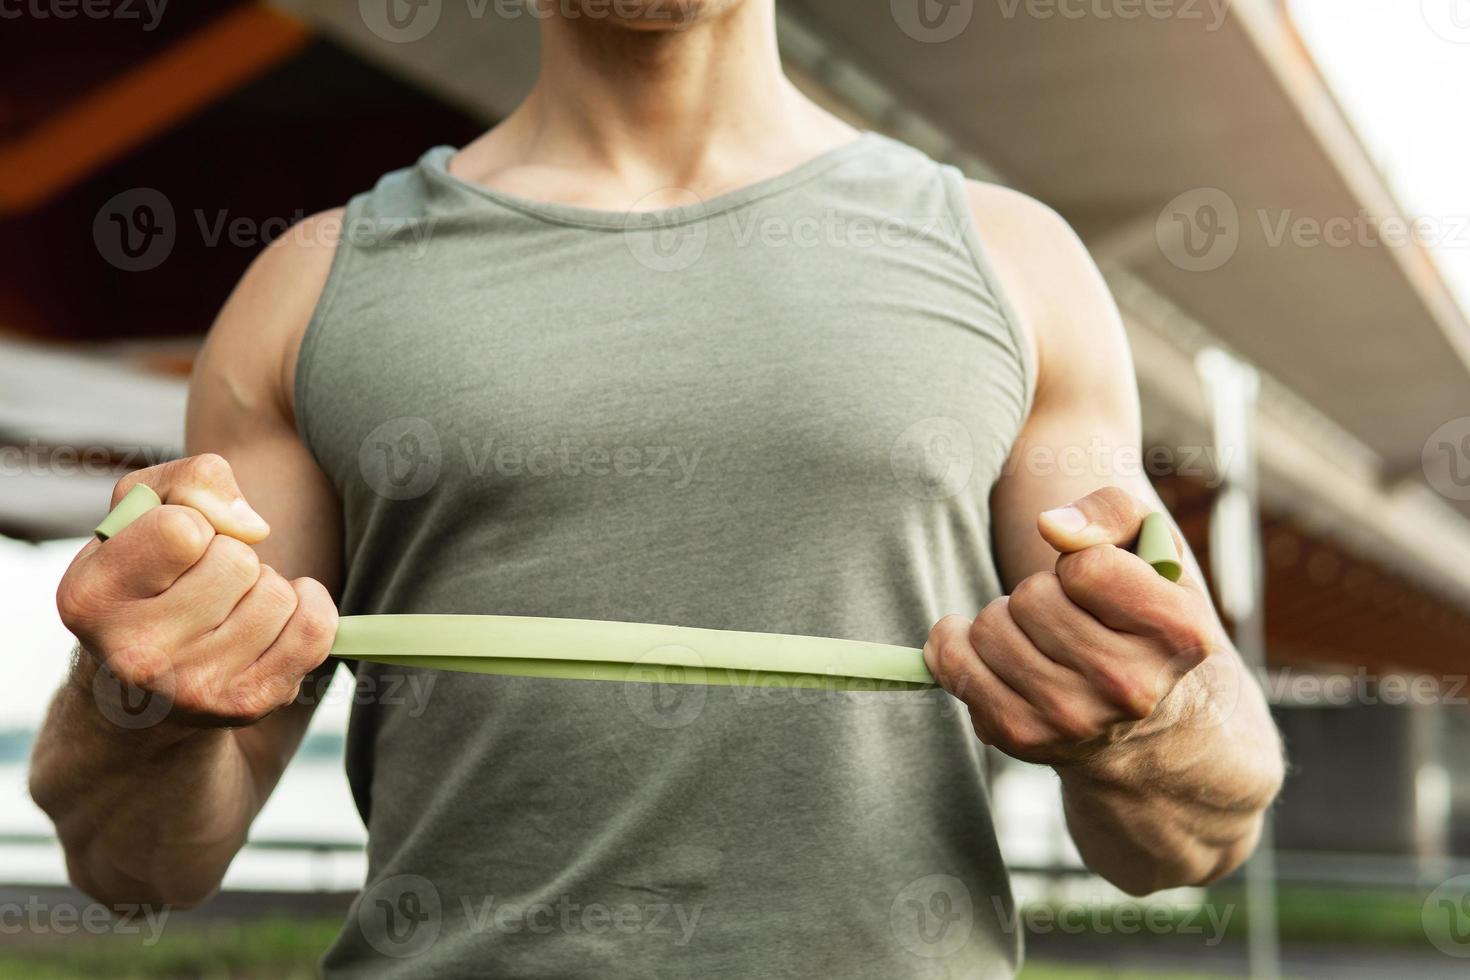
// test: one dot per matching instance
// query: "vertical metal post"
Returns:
(1235, 562)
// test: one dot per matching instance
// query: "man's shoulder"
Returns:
(1050, 278)
(1020, 226)
(258, 333)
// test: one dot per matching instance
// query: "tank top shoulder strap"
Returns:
(915, 188)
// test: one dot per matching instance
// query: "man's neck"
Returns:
(704, 108)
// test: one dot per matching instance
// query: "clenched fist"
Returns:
(179, 605)
(1076, 659)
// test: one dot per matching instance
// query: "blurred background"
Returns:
(1278, 194)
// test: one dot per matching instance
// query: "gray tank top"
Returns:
(779, 410)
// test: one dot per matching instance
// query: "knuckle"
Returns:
(1114, 504)
(183, 533)
(236, 558)
(276, 591)
(1127, 694)
(235, 711)
(245, 704)
(208, 468)
(190, 698)
(1032, 595)
(140, 662)
(955, 654)
(1137, 701)
(985, 623)
(1190, 638)
(1085, 568)
(1016, 736)
(942, 636)
(79, 600)
(1070, 725)
(995, 611)
(129, 480)
(948, 626)
(315, 624)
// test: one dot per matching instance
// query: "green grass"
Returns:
(288, 949)
(1055, 971)
(267, 949)
(1367, 918)
(1304, 915)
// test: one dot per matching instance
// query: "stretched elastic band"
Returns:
(585, 649)
(603, 650)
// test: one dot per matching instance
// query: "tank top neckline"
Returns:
(436, 164)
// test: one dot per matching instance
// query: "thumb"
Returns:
(205, 482)
(1107, 516)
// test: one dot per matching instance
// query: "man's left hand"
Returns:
(1078, 659)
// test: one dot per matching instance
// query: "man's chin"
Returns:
(644, 15)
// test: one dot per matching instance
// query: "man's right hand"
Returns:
(179, 605)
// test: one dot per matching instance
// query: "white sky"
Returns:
(1401, 69)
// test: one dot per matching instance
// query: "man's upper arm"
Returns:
(241, 407)
(1083, 432)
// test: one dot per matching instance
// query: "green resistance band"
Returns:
(583, 649)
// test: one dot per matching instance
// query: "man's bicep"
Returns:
(240, 407)
(1083, 432)
(1062, 456)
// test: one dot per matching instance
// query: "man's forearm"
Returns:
(1183, 803)
(148, 815)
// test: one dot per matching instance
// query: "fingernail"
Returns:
(243, 513)
(1068, 519)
